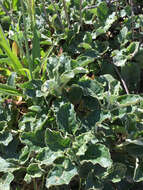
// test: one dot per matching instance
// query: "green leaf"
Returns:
(34, 139)
(110, 20)
(133, 47)
(25, 154)
(68, 75)
(7, 166)
(66, 118)
(80, 145)
(55, 141)
(102, 11)
(89, 111)
(61, 175)
(5, 138)
(84, 60)
(47, 157)
(35, 108)
(4, 165)
(34, 171)
(75, 94)
(128, 100)
(85, 45)
(5, 181)
(87, 38)
(14, 4)
(98, 32)
(97, 154)
(11, 79)
(28, 178)
(123, 34)
(119, 59)
(35, 45)
(91, 87)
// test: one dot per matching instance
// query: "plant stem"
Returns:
(58, 15)
(122, 80)
(26, 41)
(132, 12)
(42, 185)
(81, 14)
(35, 184)
(46, 16)
(66, 13)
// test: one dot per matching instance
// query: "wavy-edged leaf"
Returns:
(47, 156)
(80, 144)
(34, 139)
(34, 171)
(61, 175)
(5, 181)
(5, 137)
(66, 118)
(55, 141)
(97, 154)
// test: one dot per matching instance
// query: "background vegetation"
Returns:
(71, 106)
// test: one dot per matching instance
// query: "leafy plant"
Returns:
(71, 100)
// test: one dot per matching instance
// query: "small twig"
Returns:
(109, 2)
(122, 80)
(132, 12)
(46, 15)
(58, 15)
(90, 7)
(66, 13)
(81, 13)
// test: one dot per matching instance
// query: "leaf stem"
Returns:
(35, 184)
(66, 13)
(122, 80)
(132, 20)
(46, 15)
(80, 7)
(58, 15)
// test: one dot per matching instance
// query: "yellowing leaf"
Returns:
(15, 48)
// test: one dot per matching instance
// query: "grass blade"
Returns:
(6, 89)
(14, 63)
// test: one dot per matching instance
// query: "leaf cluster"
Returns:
(71, 104)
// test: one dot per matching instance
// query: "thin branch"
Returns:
(46, 15)
(132, 16)
(81, 13)
(122, 80)
(66, 13)
(58, 15)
